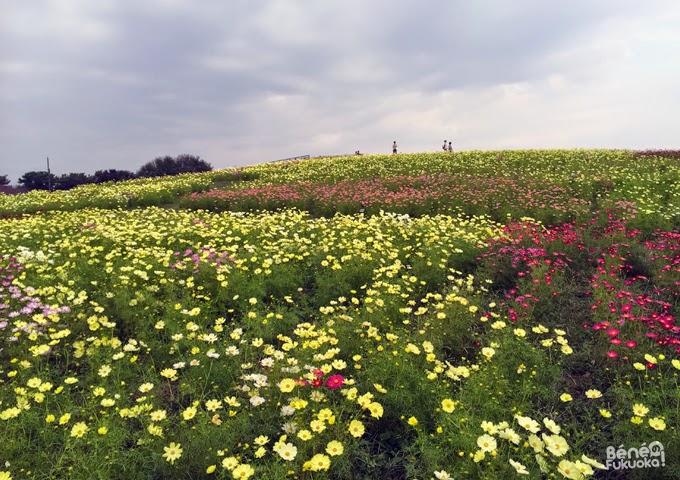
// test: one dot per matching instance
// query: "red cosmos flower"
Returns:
(613, 332)
(612, 354)
(616, 341)
(651, 365)
(317, 382)
(631, 344)
(334, 381)
(317, 372)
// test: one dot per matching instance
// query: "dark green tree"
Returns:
(112, 175)
(192, 164)
(67, 181)
(40, 180)
(4, 180)
(163, 166)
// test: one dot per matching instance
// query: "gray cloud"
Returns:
(112, 84)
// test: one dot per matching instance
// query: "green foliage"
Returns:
(37, 180)
(168, 166)
(145, 342)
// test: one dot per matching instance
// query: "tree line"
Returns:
(158, 167)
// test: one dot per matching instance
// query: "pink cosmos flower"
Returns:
(613, 332)
(334, 381)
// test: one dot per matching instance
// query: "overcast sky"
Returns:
(97, 84)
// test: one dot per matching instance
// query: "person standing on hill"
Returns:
(444, 146)
(450, 148)
(394, 147)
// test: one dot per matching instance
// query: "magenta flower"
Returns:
(334, 381)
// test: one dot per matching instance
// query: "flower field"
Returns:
(478, 315)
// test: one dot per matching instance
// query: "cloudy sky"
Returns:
(115, 83)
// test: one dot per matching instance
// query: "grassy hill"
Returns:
(472, 315)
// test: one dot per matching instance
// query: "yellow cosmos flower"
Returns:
(376, 410)
(448, 405)
(536, 443)
(488, 352)
(640, 410)
(593, 393)
(356, 428)
(334, 448)
(230, 463)
(592, 462)
(189, 413)
(287, 385)
(286, 451)
(569, 470)
(34, 382)
(519, 468)
(657, 423)
(379, 388)
(213, 405)
(79, 429)
(243, 471)
(172, 452)
(528, 423)
(319, 462)
(317, 426)
(145, 387)
(486, 443)
(169, 373)
(555, 444)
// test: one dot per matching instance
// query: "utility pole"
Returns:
(49, 177)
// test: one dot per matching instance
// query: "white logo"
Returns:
(647, 456)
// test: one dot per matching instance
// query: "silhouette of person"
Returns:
(394, 147)
(444, 146)
(450, 148)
